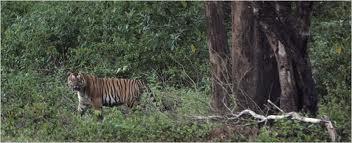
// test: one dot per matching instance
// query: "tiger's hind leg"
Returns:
(98, 110)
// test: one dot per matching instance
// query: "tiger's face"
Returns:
(76, 82)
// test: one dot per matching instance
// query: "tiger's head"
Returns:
(76, 81)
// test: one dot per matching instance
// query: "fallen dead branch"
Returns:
(261, 118)
(213, 117)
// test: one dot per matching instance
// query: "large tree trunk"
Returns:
(306, 84)
(288, 32)
(255, 78)
(264, 35)
(219, 55)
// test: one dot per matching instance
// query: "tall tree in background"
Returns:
(253, 68)
(218, 54)
(287, 28)
(269, 55)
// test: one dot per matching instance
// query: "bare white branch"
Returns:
(261, 118)
(207, 117)
(282, 111)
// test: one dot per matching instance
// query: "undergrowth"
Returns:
(42, 108)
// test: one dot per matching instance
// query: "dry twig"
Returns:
(292, 115)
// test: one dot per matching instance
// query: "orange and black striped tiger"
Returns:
(97, 92)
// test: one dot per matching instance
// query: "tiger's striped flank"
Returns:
(97, 92)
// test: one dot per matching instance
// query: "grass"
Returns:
(42, 108)
(37, 107)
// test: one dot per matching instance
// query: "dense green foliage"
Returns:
(331, 60)
(45, 111)
(103, 37)
(164, 42)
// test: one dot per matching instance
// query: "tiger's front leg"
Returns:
(83, 103)
(82, 109)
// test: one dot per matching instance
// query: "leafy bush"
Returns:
(39, 108)
(330, 54)
(163, 37)
(293, 131)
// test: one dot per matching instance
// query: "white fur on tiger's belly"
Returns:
(109, 99)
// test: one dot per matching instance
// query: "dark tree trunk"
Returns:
(243, 56)
(289, 28)
(288, 97)
(219, 56)
(269, 58)
(306, 83)
(254, 70)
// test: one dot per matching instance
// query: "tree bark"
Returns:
(219, 56)
(254, 73)
(304, 70)
(264, 35)
(291, 29)
(288, 97)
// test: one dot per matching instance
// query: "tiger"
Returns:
(98, 92)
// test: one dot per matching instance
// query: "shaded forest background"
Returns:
(164, 42)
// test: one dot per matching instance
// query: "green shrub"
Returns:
(42, 108)
(293, 131)
(99, 37)
(331, 61)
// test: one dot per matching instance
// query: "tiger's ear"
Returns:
(79, 75)
(69, 73)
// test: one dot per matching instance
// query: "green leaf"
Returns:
(184, 4)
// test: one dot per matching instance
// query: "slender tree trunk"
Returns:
(306, 82)
(219, 55)
(288, 98)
